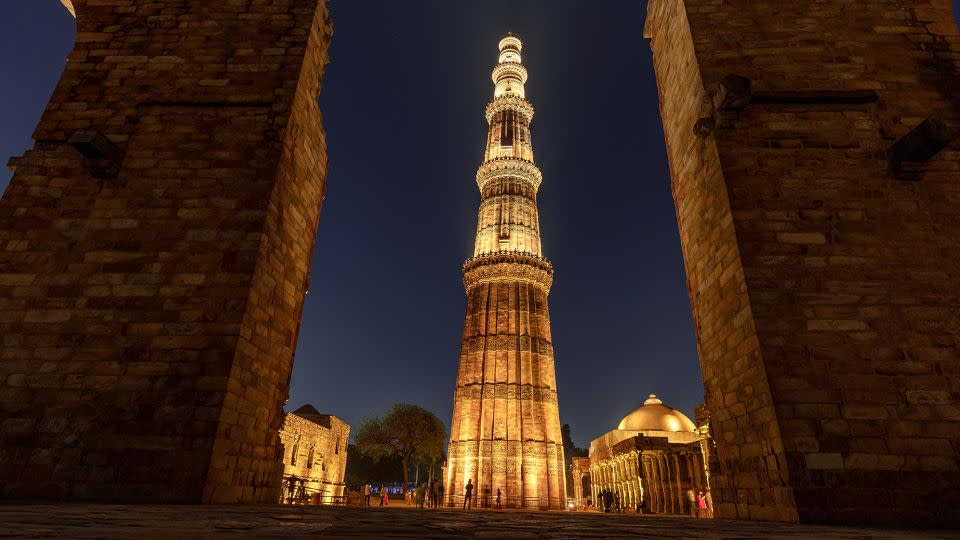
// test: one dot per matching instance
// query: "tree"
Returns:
(406, 431)
(363, 469)
(570, 451)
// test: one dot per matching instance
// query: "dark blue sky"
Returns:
(403, 105)
(403, 102)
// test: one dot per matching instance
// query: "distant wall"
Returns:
(321, 454)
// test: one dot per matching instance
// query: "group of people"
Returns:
(426, 495)
(296, 491)
(609, 500)
(429, 496)
(383, 495)
(701, 504)
(468, 497)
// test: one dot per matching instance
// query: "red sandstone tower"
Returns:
(505, 431)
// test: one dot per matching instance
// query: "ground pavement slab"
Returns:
(181, 522)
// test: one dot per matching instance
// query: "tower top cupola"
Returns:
(509, 75)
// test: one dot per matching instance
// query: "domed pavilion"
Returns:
(652, 461)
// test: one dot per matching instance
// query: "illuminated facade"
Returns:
(505, 431)
(314, 454)
(656, 461)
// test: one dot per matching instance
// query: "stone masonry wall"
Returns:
(149, 312)
(505, 428)
(319, 443)
(823, 283)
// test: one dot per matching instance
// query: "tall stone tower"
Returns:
(505, 431)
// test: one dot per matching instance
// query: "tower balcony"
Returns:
(508, 267)
(509, 167)
(509, 103)
(512, 70)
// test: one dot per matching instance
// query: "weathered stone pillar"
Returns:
(652, 490)
(814, 164)
(656, 494)
(593, 483)
(157, 242)
(676, 503)
(662, 480)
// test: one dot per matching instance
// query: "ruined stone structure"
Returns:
(156, 243)
(652, 461)
(815, 169)
(581, 485)
(505, 431)
(314, 454)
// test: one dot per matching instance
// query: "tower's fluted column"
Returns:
(505, 431)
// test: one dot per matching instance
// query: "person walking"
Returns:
(693, 501)
(440, 493)
(433, 494)
(366, 494)
(421, 495)
(468, 496)
(384, 500)
(701, 505)
(498, 499)
(616, 501)
(291, 488)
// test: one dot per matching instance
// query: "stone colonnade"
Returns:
(656, 481)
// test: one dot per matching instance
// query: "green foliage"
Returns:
(570, 451)
(362, 469)
(406, 431)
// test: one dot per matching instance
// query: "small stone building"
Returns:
(314, 454)
(654, 458)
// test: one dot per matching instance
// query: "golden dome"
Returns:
(655, 416)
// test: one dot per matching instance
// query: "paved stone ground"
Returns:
(185, 522)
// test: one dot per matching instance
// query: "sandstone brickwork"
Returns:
(505, 431)
(156, 244)
(314, 453)
(823, 259)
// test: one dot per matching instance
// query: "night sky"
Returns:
(403, 101)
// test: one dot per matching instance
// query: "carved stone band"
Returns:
(509, 168)
(523, 392)
(469, 449)
(509, 68)
(506, 342)
(508, 268)
(509, 103)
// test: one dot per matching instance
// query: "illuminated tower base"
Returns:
(505, 431)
